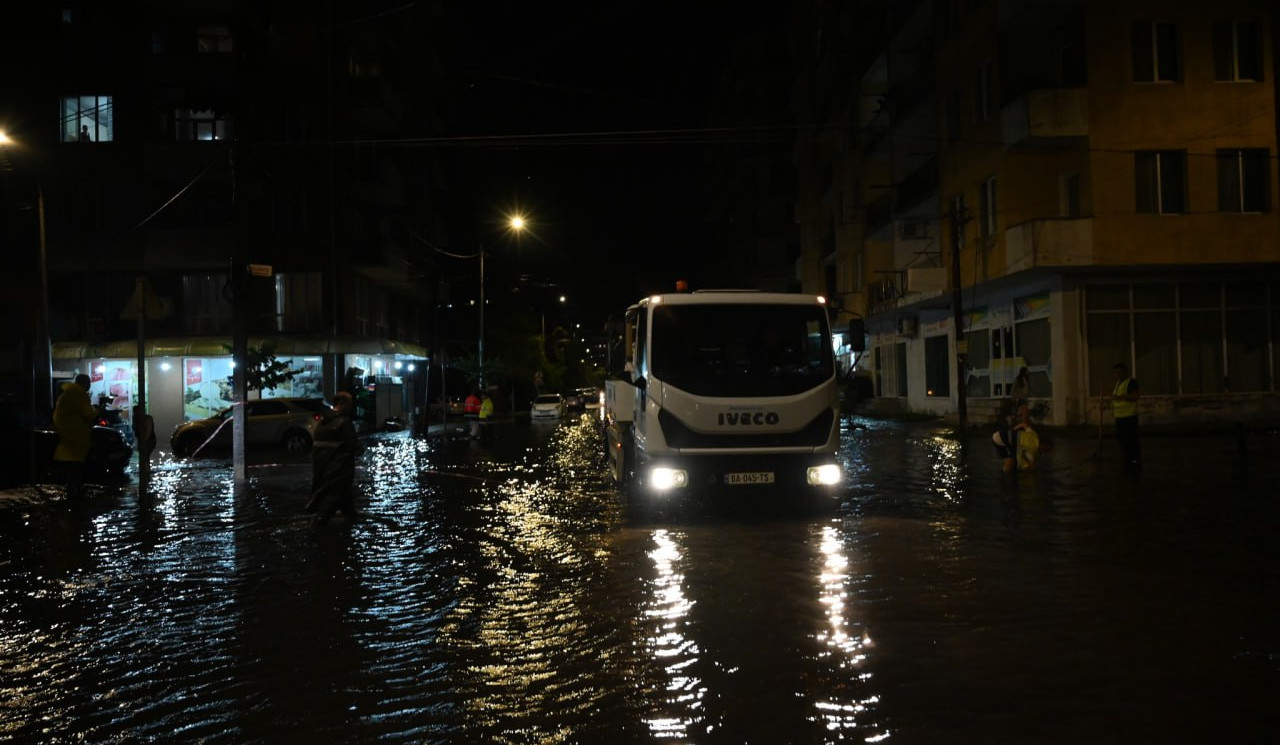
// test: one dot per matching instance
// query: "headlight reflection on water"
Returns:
(849, 651)
(667, 611)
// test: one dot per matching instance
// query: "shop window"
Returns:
(87, 119)
(900, 355)
(978, 362)
(1108, 344)
(1200, 341)
(1155, 356)
(937, 366)
(1035, 351)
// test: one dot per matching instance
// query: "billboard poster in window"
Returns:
(207, 387)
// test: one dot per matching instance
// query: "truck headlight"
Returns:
(668, 478)
(824, 475)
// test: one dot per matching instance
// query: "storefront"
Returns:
(191, 379)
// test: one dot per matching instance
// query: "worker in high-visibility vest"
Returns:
(1124, 408)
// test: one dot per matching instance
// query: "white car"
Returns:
(546, 406)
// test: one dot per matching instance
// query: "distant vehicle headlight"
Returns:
(668, 478)
(824, 475)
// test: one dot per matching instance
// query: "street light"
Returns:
(41, 332)
(517, 224)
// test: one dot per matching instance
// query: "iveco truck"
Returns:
(729, 389)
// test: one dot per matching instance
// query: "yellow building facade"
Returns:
(1073, 185)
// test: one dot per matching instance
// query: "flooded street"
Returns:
(503, 594)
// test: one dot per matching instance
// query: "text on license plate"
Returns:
(753, 477)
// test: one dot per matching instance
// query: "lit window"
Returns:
(87, 119)
(189, 125)
(214, 39)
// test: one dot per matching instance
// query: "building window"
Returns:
(1156, 54)
(1072, 66)
(987, 208)
(1243, 175)
(299, 300)
(1237, 52)
(937, 367)
(87, 119)
(1161, 181)
(952, 125)
(190, 125)
(1185, 338)
(1069, 195)
(211, 39)
(900, 371)
(982, 93)
(205, 305)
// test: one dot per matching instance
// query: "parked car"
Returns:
(109, 454)
(546, 406)
(289, 423)
(590, 398)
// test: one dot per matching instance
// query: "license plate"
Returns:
(754, 477)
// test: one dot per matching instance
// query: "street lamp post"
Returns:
(41, 365)
(517, 224)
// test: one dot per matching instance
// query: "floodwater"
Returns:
(503, 594)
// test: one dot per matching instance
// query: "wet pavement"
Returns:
(502, 593)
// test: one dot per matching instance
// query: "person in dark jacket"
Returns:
(333, 462)
(73, 417)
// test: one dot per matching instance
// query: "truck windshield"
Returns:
(741, 350)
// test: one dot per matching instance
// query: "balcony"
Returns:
(1044, 114)
(1057, 242)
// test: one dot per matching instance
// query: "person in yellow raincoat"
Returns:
(73, 417)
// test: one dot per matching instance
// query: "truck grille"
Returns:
(814, 434)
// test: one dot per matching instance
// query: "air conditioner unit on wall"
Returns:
(908, 326)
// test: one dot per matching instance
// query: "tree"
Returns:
(263, 370)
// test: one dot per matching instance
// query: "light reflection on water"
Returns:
(501, 594)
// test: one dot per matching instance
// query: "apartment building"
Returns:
(191, 159)
(1067, 184)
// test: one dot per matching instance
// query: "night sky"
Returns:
(592, 111)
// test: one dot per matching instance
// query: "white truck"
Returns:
(731, 389)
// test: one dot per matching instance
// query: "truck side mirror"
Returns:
(641, 383)
(857, 335)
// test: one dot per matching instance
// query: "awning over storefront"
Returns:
(213, 346)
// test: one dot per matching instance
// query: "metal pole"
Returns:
(480, 357)
(139, 413)
(46, 345)
(962, 406)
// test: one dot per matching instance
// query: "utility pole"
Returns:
(239, 317)
(959, 217)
